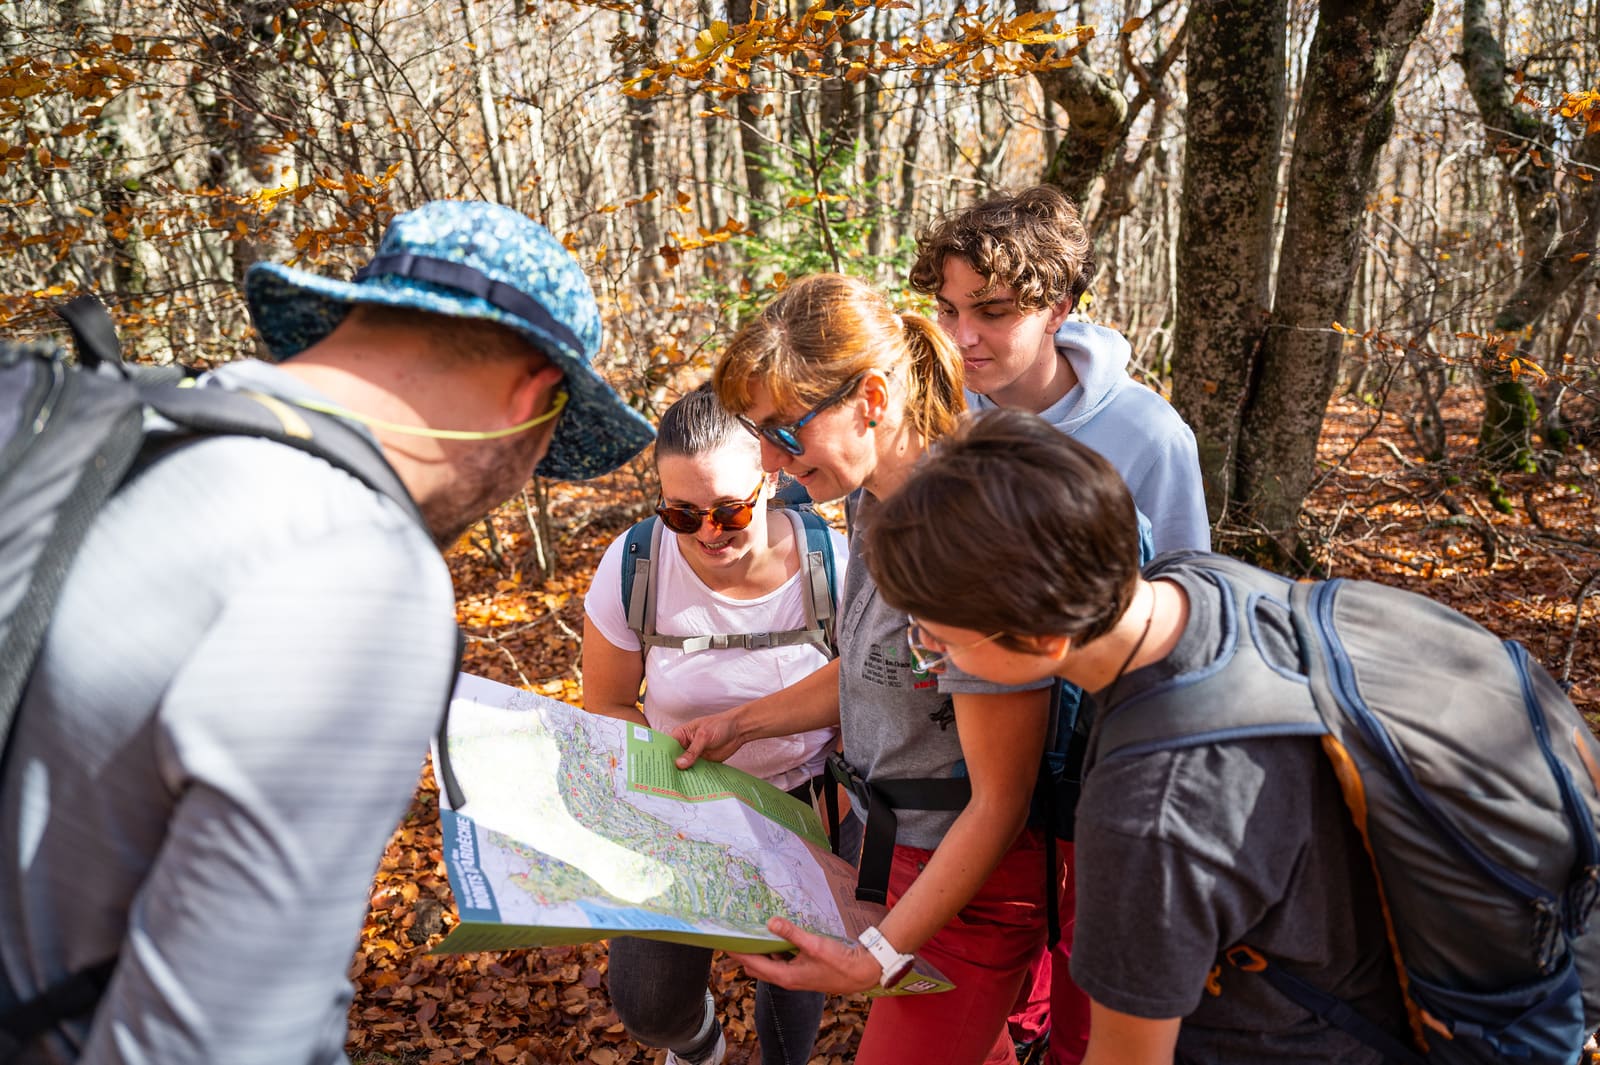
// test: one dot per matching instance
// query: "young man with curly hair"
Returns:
(1007, 275)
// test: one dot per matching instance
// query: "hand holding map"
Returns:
(820, 964)
(714, 737)
(565, 827)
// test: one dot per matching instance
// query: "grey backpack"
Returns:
(71, 434)
(1470, 776)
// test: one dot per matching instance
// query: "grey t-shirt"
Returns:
(897, 723)
(225, 724)
(1183, 854)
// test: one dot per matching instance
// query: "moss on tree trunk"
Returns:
(1510, 413)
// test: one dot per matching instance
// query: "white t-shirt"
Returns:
(680, 687)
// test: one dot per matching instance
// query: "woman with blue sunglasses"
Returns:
(845, 395)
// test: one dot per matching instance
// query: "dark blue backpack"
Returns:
(1472, 779)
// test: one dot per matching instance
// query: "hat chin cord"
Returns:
(436, 434)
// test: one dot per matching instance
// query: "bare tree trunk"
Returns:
(644, 135)
(1346, 117)
(1096, 110)
(749, 109)
(232, 93)
(1557, 225)
(483, 76)
(1235, 122)
(911, 147)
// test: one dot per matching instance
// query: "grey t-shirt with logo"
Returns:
(1182, 854)
(897, 723)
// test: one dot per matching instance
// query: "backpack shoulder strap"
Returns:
(820, 593)
(639, 586)
(93, 331)
(239, 412)
(1238, 696)
(638, 575)
(75, 437)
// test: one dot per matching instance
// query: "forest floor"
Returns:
(1380, 513)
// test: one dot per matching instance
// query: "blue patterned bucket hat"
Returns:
(471, 259)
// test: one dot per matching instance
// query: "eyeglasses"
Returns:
(927, 659)
(733, 516)
(786, 437)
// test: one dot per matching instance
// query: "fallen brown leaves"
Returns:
(1380, 514)
(1383, 514)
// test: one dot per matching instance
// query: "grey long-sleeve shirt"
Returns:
(226, 723)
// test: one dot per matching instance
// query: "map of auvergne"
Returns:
(564, 827)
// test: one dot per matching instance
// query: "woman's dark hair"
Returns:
(696, 424)
(1009, 525)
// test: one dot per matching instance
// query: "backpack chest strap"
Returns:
(747, 641)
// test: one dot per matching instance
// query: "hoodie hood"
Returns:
(1099, 358)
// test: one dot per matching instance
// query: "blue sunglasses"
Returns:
(786, 437)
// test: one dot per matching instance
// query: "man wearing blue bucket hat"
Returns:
(252, 647)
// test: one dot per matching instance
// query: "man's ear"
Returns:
(532, 391)
(1058, 313)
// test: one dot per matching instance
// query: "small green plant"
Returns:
(818, 221)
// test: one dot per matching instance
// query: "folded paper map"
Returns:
(565, 827)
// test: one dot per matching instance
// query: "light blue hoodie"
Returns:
(1136, 430)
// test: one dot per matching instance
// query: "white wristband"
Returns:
(893, 964)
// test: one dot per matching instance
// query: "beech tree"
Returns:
(1269, 212)
(1550, 158)
(1256, 360)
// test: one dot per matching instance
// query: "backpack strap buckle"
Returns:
(1246, 958)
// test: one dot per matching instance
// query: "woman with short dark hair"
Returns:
(721, 564)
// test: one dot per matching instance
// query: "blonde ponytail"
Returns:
(936, 402)
(825, 329)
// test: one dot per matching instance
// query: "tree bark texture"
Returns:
(1096, 111)
(644, 131)
(231, 90)
(1345, 119)
(1558, 226)
(1235, 121)
(495, 148)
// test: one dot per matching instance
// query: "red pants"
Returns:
(985, 950)
(1050, 1001)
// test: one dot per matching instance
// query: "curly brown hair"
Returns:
(1032, 242)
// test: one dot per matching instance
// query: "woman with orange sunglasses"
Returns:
(723, 565)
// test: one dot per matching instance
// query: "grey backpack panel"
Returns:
(1500, 853)
(70, 436)
(1465, 767)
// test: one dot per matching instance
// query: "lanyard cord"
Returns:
(436, 434)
